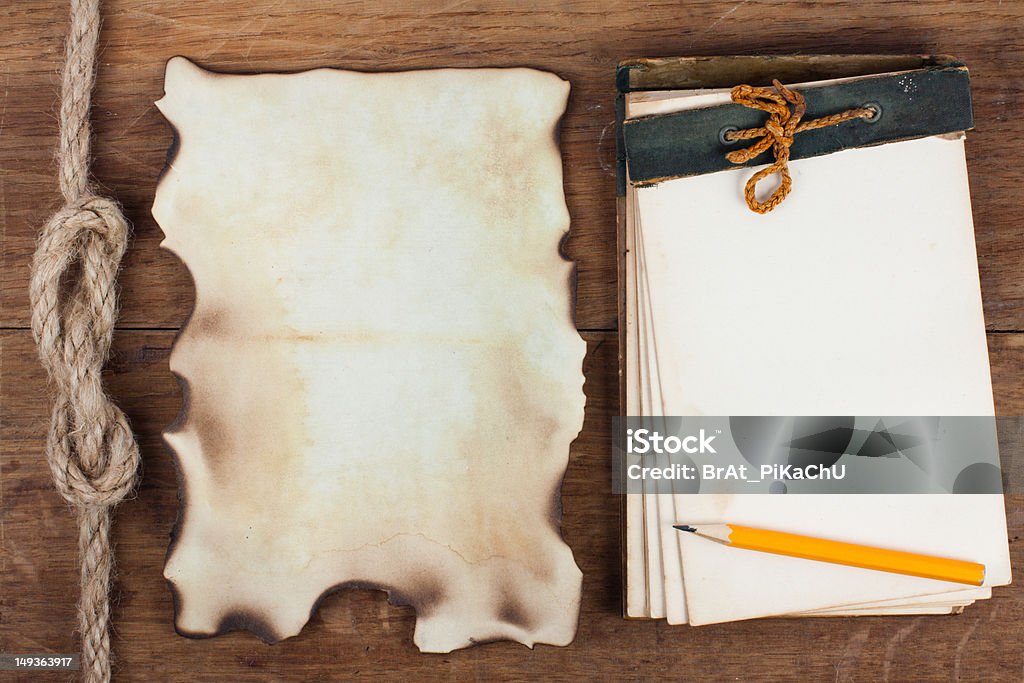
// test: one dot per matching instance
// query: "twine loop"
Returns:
(91, 451)
(75, 330)
(785, 109)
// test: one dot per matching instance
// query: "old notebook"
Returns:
(381, 369)
(857, 295)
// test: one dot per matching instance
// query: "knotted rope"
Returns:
(91, 451)
(785, 110)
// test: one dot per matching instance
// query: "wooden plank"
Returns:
(357, 633)
(580, 40)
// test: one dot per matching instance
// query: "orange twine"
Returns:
(785, 110)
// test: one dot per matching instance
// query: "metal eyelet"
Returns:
(725, 131)
(876, 116)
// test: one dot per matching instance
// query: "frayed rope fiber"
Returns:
(90, 448)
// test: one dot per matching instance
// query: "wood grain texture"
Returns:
(581, 41)
(355, 633)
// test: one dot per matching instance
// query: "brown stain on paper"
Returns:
(273, 518)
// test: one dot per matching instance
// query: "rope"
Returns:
(785, 110)
(90, 448)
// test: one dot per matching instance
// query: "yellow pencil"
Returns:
(837, 552)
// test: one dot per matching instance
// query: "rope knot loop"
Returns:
(785, 109)
(92, 454)
(92, 213)
(92, 233)
(91, 450)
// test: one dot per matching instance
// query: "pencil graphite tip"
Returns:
(685, 527)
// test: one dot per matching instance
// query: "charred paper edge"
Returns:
(245, 620)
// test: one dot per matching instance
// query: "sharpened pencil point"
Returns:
(685, 527)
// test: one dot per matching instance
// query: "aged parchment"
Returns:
(381, 374)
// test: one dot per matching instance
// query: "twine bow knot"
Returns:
(785, 109)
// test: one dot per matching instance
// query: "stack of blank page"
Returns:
(847, 299)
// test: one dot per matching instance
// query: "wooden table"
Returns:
(356, 633)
